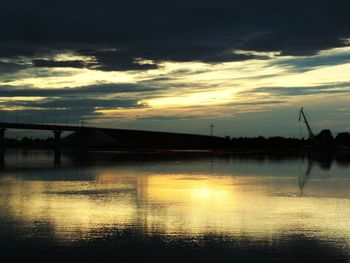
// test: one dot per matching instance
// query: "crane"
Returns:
(301, 113)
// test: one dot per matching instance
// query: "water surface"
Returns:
(192, 205)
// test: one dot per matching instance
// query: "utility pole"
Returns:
(211, 129)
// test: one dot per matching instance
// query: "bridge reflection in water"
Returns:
(231, 205)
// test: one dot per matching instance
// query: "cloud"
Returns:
(117, 34)
(299, 91)
(173, 54)
(10, 67)
(58, 64)
(91, 90)
(327, 58)
(253, 103)
(111, 60)
(65, 107)
(73, 102)
(76, 103)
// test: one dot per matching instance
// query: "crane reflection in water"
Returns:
(227, 201)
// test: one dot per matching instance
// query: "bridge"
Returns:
(56, 129)
(85, 135)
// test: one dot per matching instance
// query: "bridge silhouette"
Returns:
(55, 128)
(126, 137)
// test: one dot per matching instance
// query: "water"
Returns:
(192, 205)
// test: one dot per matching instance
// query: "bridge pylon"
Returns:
(57, 137)
(2, 136)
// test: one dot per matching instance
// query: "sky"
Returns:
(247, 66)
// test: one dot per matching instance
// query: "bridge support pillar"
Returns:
(2, 137)
(57, 137)
(57, 156)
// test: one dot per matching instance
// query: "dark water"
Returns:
(193, 206)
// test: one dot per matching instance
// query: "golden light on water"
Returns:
(181, 204)
(196, 191)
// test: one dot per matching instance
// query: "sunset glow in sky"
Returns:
(246, 66)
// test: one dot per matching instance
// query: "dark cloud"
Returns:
(178, 52)
(62, 108)
(10, 67)
(111, 60)
(117, 33)
(77, 103)
(58, 64)
(72, 102)
(91, 90)
(299, 91)
(302, 64)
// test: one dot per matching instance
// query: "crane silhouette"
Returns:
(302, 114)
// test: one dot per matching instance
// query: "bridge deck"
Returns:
(43, 127)
(115, 131)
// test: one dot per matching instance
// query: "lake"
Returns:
(181, 206)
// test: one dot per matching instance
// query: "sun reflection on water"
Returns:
(171, 204)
